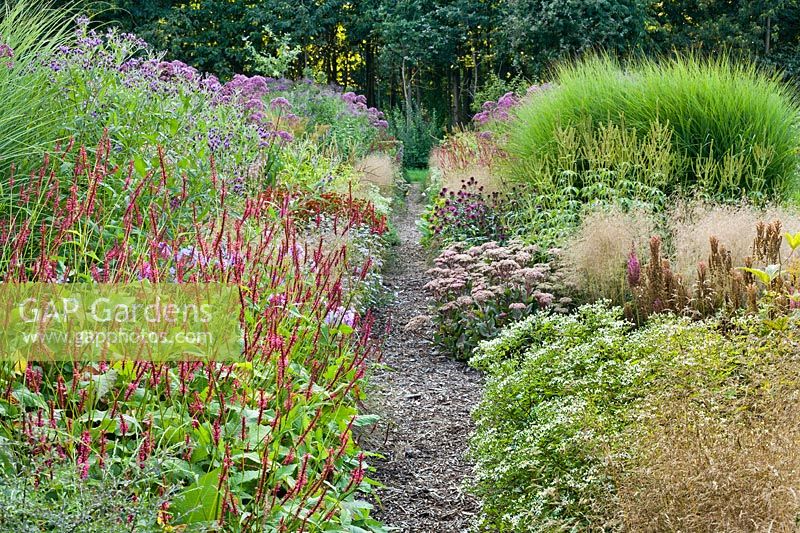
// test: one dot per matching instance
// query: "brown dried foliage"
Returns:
(719, 283)
(701, 472)
(692, 225)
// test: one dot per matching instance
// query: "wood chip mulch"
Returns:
(424, 399)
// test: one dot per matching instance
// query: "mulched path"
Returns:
(425, 399)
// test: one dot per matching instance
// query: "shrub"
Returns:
(189, 180)
(418, 131)
(732, 129)
(41, 498)
(477, 291)
(588, 425)
(495, 87)
(550, 216)
(613, 169)
(555, 389)
(260, 131)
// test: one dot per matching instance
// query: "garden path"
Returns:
(425, 399)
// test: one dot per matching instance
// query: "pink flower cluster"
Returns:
(489, 273)
(480, 289)
(357, 105)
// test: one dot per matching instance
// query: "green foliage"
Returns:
(555, 388)
(213, 34)
(276, 65)
(30, 104)
(566, 394)
(765, 28)
(494, 87)
(418, 132)
(60, 500)
(540, 32)
(416, 175)
(548, 216)
(733, 129)
(168, 173)
(449, 47)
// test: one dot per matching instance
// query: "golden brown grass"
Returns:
(701, 474)
(713, 453)
(693, 224)
(454, 175)
(596, 257)
(377, 169)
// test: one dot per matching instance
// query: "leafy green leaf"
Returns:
(200, 501)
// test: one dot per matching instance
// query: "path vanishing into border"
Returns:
(424, 398)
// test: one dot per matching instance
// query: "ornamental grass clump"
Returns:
(479, 290)
(732, 129)
(700, 471)
(597, 255)
(467, 154)
(30, 117)
(692, 224)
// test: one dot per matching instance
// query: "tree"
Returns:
(540, 32)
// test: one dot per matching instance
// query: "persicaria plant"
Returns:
(264, 443)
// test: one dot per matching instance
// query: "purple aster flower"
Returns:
(341, 315)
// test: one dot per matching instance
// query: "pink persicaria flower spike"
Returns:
(634, 269)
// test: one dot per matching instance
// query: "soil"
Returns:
(424, 399)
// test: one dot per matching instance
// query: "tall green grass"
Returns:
(733, 128)
(30, 104)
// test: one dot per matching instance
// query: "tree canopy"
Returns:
(438, 54)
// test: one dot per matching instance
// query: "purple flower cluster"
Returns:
(634, 269)
(500, 110)
(268, 136)
(469, 214)
(357, 105)
(119, 52)
(247, 93)
(341, 315)
(216, 141)
(7, 53)
(252, 115)
(280, 103)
